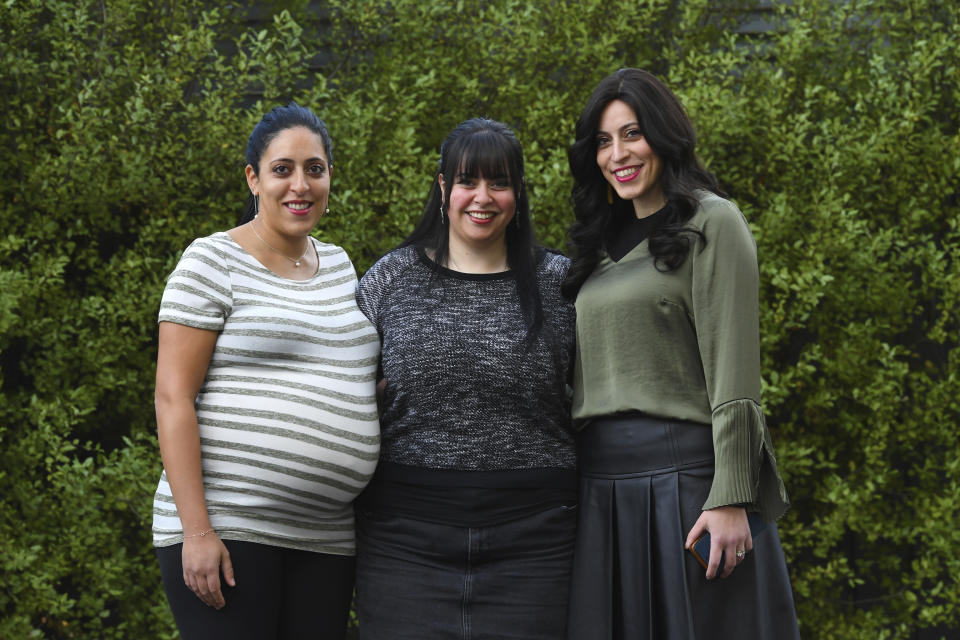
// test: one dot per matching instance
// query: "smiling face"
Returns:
(293, 183)
(626, 160)
(480, 209)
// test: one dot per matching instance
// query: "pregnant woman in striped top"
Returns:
(265, 408)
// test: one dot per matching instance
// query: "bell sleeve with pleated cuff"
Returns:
(725, 291)
(746, 471)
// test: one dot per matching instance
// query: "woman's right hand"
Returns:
(729, 535)
(204, 557)
(183, 357)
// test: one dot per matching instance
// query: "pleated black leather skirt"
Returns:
(643, 482)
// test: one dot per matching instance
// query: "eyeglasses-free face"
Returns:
(627, 161)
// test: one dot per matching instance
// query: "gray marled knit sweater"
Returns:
(463, 392)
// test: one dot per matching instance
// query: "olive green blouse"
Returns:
(685, 345)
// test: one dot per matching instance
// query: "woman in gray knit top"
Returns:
(467, 528)
(667, 387)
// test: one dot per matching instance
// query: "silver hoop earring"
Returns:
(256, 205)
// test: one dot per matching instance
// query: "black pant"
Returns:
(280, 594)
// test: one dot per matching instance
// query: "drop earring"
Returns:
(441, 214)
(256, 205)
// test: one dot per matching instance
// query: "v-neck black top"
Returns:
(626, 231)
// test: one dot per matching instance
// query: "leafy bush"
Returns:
(835, 128)
(844, 154)
(123, 139)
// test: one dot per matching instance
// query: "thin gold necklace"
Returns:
(296, 262)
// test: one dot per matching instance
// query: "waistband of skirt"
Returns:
(634, 444)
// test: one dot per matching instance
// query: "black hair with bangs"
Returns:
(483, 147)
(485, 154)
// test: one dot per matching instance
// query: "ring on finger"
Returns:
(741, 553)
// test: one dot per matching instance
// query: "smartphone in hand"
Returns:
(701, 546)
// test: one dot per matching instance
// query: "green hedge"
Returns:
(835, 128)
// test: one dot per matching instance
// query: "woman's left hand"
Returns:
(729, 535)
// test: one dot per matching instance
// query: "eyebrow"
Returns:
(632, 123)
(290, 160)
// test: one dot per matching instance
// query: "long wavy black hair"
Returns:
(476, 148)
(669, 133)
(278, 120)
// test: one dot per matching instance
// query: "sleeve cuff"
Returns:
(745, 465)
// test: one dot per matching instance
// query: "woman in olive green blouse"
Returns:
(667, 387)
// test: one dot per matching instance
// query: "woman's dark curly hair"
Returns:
(668, 131)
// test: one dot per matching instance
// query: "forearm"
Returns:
(179, 439)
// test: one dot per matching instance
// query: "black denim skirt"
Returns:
(643, 482)
(419, 580)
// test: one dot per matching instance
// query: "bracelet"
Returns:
(199, 535)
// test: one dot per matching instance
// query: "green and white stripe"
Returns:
(287, 412)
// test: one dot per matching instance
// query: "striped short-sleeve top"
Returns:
(287, 413)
